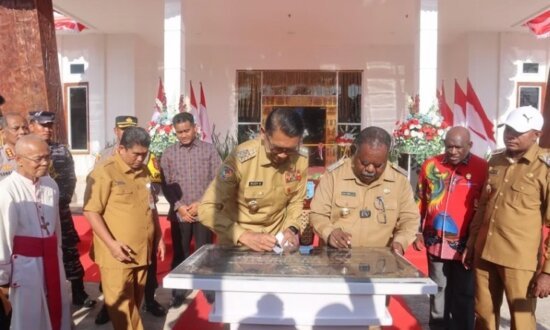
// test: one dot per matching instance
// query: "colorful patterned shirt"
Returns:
(447, 196)
(187, 172)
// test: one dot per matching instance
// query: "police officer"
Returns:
(506, 232)
(260, 188)
(366, 201)
(151, 305)
(14, 125)
(62, 171)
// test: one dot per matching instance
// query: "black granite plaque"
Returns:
(356, 264)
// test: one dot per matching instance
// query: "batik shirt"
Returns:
(447, 196)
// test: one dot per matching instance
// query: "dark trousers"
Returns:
(182, 233)
(151, 282)
(452, 307)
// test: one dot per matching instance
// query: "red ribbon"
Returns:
(47, 249)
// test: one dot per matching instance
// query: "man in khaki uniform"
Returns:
(365, 201)
(14, 126)
(505, 234)
(260, 188)
(120, 207)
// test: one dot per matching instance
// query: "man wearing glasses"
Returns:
(62, 170)
(259, 190)
(364, 201)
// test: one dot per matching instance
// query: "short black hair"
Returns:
(373, 136)
(286, 120)
(183, 117)
(135, 136)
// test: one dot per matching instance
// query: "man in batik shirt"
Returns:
(449, 187)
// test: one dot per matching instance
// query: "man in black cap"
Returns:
(151, 284)
(62, 171)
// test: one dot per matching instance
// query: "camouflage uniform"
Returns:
(62, 171)
(7, 161)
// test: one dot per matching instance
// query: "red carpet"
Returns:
(196, 315)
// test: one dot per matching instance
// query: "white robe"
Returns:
(19, 217)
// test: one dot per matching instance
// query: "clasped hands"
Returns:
(188, 213)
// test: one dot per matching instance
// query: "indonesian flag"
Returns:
(194, 109)
(203, 119)
(540, 25)
(64, 23)
(160, 101)
(483, 135)
(459, 108)
(444, 107)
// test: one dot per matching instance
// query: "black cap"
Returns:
(42, 117)
(125, 121)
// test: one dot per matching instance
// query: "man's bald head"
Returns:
(33, 157)
(457, 144)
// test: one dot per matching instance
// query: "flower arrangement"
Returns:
(161, 131)
(225, 146)
(420, 134)
(344, 143)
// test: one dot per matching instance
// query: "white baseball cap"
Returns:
(524, 119)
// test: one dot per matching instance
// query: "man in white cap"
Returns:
(505, 234)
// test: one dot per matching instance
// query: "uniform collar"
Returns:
(125, 167)
(265, 161)
(530, 155)
(387, 175)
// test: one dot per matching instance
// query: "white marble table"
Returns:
(319, 289)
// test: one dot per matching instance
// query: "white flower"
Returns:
(440, 132)
(407, 132)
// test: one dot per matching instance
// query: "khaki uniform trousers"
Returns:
(491, 281)
(123, 290)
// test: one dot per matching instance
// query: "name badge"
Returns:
(255, 183)
(363, 214)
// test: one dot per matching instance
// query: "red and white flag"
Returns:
(459, 108)
(194, 109)
(444, 108)
(540, 25)
(203, 119)
(160, 101)
(483, 135)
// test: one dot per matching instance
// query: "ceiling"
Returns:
(327, 22)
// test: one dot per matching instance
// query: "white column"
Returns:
(427, 54)
(174, 51)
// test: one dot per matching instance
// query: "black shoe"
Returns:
(102, 317)
(83, 301)
(154, 308)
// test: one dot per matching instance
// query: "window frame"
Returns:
(67, 88)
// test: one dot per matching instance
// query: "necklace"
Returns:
(39, 210)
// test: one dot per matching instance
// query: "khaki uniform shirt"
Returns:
(7, 161)
(250, 194)
(124, 200)
(375, 215)
(506, 229)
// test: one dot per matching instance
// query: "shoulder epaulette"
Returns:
(399, 169)
(545, 158)
(334, 166)
(246, 154)
(304, 151)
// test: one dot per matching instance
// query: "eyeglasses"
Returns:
(38, 160)
(379, 205)
(280, 150)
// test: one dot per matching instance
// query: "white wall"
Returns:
(387, 79)
(493, 63)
